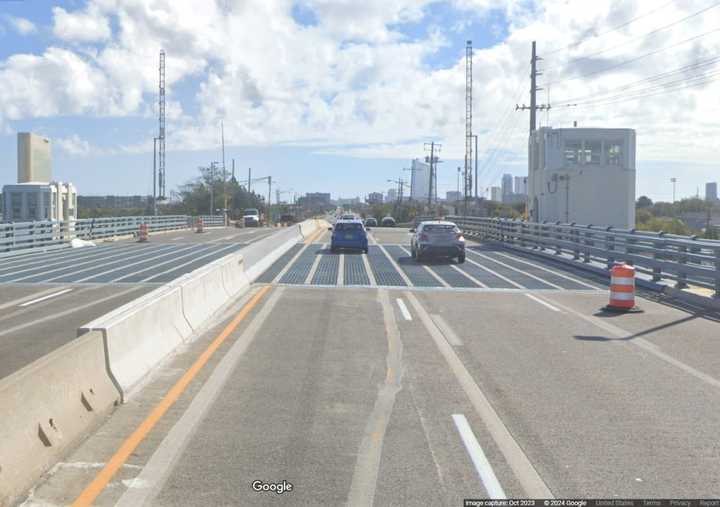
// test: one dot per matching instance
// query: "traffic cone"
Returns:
(622, 289)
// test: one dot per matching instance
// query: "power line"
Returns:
(625, 62)
(641, 94)
(696, 65)
(652, 32)
(623, 25)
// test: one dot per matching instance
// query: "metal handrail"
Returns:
(19, 236)
(683, 259)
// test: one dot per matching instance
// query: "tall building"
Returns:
(582, 175)
(496, 194)
(453, 195)
(375, 198)
(420, 180)
(391, 195)
(34, 163)
(507, 185)
(521, 185)
(711, 192)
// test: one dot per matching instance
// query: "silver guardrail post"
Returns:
(681, 260)
(629, 250)
(588, 244)
(610, 247)
(575, 238)
(658, 246)
(558, 238)
(717, 273)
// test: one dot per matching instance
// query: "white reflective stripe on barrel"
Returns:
(622, 296)
(622, 281)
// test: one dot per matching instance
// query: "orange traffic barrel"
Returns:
(199, 225)
(143, 232)
(622, 289)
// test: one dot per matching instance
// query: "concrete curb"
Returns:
(47, 408)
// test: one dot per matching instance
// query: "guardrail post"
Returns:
(558, 238)
(658, 257)
(610, 247)
(575, 238)
(588, 244)
(717, 273)
(682, 261)
(629, 250)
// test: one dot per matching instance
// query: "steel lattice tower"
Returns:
(468, 120)
(161, 127)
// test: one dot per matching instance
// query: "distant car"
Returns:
(251, 217)
(288, 218)
(437, 238)
(348, 217)
(370, 222)
(349, 234)
(388, 222)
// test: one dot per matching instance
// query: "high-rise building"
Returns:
(374, 198)
(453, 195)
(521, 185)
(496, 194)
(711, 192)
(507, 184)
(34, 164)
(420, 180)
(391, 195)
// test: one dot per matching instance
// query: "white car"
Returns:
(437, 238)
(251, 217)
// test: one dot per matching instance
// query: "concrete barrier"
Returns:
(48, 407)
(142, 335)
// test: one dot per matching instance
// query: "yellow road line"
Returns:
(314, 236)
(101, 480)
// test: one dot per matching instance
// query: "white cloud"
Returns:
(73, 145)
(21, 25)
(353, 81)
(85, 26)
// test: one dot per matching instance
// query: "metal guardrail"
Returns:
(682, 259)
(26, 235)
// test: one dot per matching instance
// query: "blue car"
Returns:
(349, 234)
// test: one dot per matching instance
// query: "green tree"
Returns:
(644, 202)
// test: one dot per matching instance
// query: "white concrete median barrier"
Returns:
(47, 408)
(142, 335)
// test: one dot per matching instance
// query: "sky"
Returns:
(339, 96)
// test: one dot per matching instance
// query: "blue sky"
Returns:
(375, 83)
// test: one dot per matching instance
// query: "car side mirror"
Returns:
(412, 230)
(329, 228)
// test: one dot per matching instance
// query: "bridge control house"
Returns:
(582, 175)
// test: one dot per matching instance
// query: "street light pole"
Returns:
(674, 181)
(155, 176)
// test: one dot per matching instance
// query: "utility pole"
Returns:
(212, 188)
(534, 107)
(476, 165)
(249, 179)
(433, 160)
(161, 127)
(269, 217)
(468, 124)
(155, 176)
(224, 172)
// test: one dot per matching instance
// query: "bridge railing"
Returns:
(19, 236)
(682, 259)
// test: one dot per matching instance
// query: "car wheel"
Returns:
(365, 250)
(461, 258)
(413, 253)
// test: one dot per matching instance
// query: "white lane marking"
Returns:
(544, 303)
(482, 465)
(16, 302)
(403, 309)
(494, 273)
(370, 274)
(469, 276)
(529, 479)
(450, 335)
(170, 253)
(98, 261)
(178, 239)
(427, 268)
(178, 266)
(643, 344)
(396, 266)
(55, 294)
(557, 273)
(158, 468)
(289, 264)
(316, 262)
(508, 266)
(341, 271)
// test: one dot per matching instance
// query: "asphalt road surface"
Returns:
(413, 395)
(46, 296)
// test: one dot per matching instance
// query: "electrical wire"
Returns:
(652, 32)
(625, 62)
(623, 25)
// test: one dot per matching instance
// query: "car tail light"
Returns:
(423, 237)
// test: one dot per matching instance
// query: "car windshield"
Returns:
(348, 227)
(439, 228)
(251, 211)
